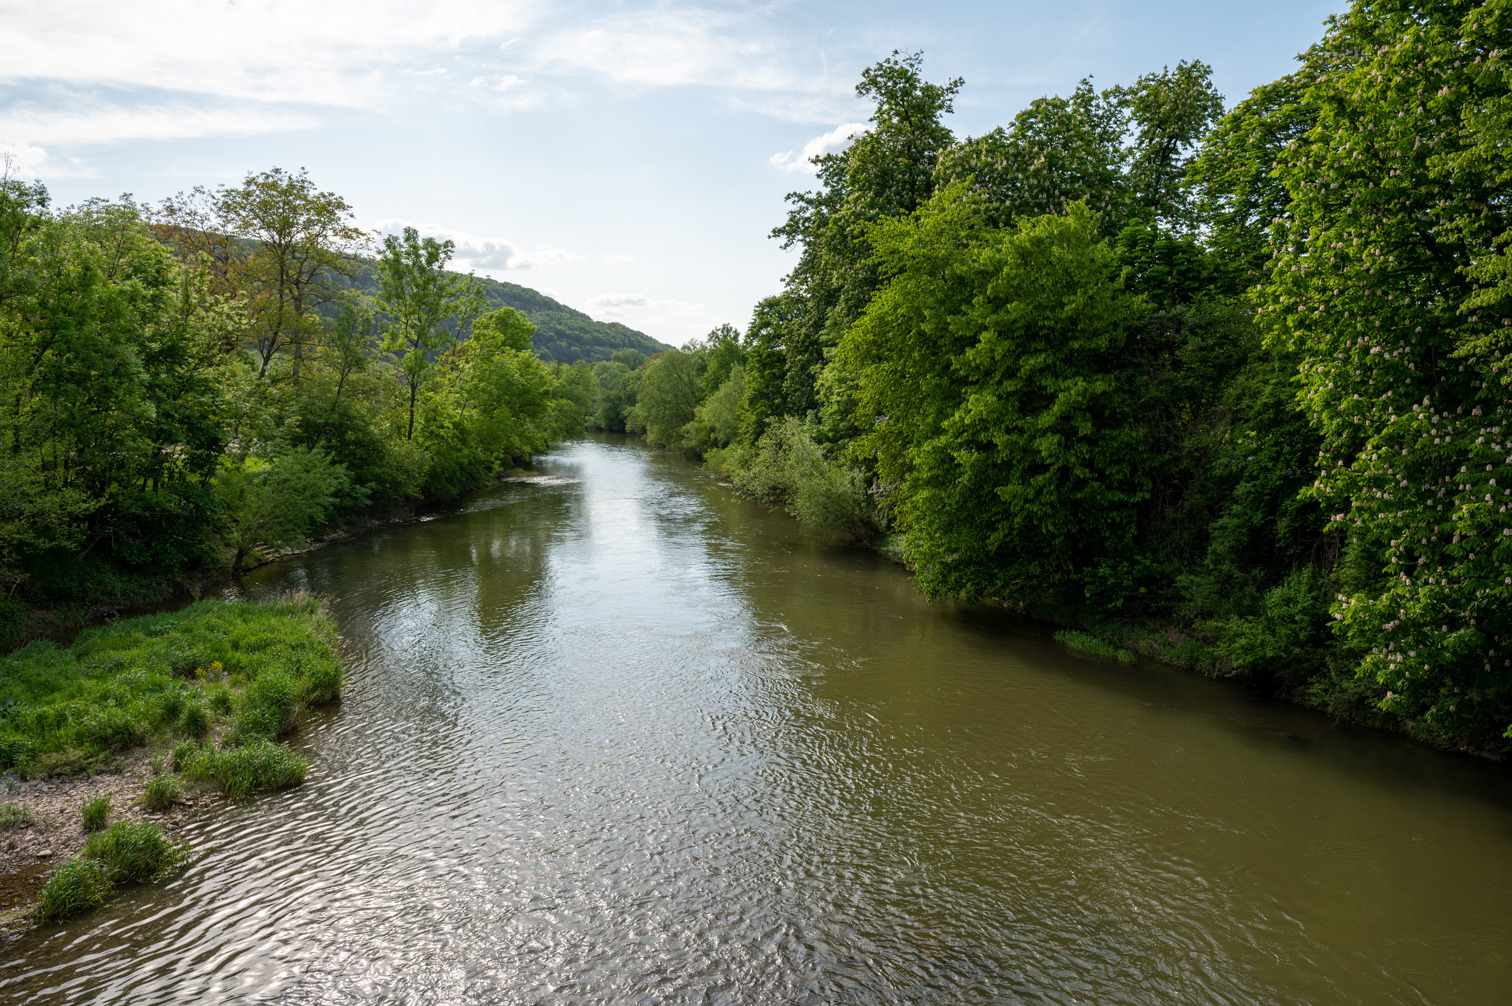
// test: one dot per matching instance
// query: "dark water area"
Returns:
(618, 736)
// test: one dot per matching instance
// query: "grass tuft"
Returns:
(1092, 646)
(126, 852)
(16, 815)
(161, 792)
(241, 771)
(72, 889)
(96, 814)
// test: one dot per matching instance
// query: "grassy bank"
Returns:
(204, 694)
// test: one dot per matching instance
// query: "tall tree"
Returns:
(1400, 202)
(300, 239)
(426, 306)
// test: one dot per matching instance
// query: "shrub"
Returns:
(73, 888)
(242, 771)
(789, 469)
(96, 813)
(1091, 646)
(16, 815)
(161, 792)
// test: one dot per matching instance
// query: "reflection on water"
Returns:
(617, 736)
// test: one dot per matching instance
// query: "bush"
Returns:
(242, 771)
(161, 792)
(789, 469)
(96, 814)
(16, 815)
(72, 889)
(1091, 646)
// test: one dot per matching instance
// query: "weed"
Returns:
(161, 792)
(16, 815)
(1091, 646)
(96, 814)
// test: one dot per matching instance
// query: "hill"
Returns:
(562, 333)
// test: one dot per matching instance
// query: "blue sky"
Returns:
(628, 159)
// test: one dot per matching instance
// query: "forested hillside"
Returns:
(562, 334)
(1226, 387)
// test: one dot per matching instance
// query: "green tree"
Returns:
(995, 394)
(297, 242)
(420, 298)
(1399, 194)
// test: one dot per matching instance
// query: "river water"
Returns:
(617, 736)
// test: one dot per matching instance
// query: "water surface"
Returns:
(620, 737)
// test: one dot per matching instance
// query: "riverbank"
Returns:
(153, 715)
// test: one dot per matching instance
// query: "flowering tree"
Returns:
(1400, 201)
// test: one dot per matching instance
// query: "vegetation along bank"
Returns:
(1226, 387)
(138, 720)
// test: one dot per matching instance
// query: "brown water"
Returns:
(628, 739)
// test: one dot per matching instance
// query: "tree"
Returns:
(1400, 202)
(1171, 111)
(419, 297)
(299, 241)
(996, 400)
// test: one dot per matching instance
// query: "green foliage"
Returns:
(242, 771)
(1091, 646)
(119, 685)
(125, 853)
(16, 815)
(787, 468)
(161, 792)
(96, 813)
(1396, 211)
(78, 886)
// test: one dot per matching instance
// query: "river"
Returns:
(618, 736)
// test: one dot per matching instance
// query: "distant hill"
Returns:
(562, 334)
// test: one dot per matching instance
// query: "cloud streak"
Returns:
(832, 142)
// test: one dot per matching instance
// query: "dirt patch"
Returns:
(56, 829)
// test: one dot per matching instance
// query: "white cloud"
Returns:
(621, 300)
(832, 142)
(484, 255)
(618, 258)
(106, 124)
(758, 68)
(327, 53)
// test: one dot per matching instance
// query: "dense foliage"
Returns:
(1229, 388)
(198, 384)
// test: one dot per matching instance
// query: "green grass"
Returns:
(16, 815)
(161, 792)
(1091, 646)
(241, 668)
(241, 771)
(126, 852)
(96, 814)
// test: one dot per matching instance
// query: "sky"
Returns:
(629, 159)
